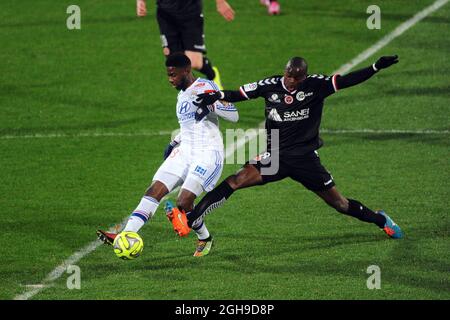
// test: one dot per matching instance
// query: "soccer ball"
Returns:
(128, 245)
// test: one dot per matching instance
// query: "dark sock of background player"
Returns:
(217, 197)
(207, 69)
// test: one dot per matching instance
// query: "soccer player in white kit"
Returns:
(193, 160)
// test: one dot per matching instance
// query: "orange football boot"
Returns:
(178, 219)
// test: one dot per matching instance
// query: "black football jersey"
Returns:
(181, 7)
(295, 114)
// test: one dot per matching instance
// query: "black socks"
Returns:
(207, 69)
(210, 201)
(358, 210)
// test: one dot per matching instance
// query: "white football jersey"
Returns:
(204, 134)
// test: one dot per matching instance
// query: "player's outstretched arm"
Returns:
(206, 100)
(358, 76)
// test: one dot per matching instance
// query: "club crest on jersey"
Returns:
(184, 108)
(301, 95)
(288, 99)
(250, 87)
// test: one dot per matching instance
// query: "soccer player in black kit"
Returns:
(294, 104)
(181, 30)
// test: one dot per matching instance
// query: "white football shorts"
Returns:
(192, 170)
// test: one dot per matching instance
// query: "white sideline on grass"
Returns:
(167, 133)
(77, 256)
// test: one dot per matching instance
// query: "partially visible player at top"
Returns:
(273, 7)
(193, 160)
(293, 107)
(181, 30)
(141, 8)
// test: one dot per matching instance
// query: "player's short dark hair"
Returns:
(178, 60)
(297, 64)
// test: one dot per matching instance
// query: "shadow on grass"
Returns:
(58, 99)
(438, 139)
(443, 90)
(351, 138)
(404, 266)
(56, 95)
(409, 92)
(419, 73)
(68, 129)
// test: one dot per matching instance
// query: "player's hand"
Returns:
(386, 62)
(169, 149)
(204, 103)
(225, 10)
(206, 99)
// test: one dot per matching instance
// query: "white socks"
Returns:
(201, 232)
(144, 211)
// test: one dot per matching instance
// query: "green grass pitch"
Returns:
(65, 96)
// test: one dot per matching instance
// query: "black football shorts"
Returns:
(180, 33)
(305, 169)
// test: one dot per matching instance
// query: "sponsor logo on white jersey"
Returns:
(185, 107)
(185, 111)
(200, 84)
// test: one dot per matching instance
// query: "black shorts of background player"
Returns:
(181, 29)
(293, 110)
